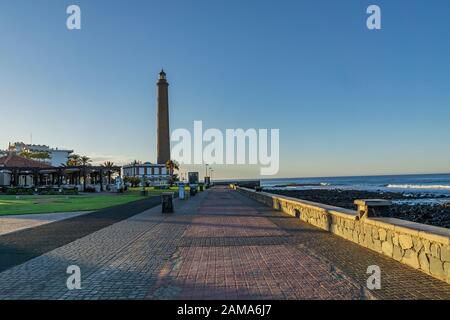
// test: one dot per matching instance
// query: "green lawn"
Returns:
(10, 204)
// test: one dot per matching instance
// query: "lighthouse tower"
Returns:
(163, 135)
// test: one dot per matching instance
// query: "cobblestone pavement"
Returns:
(23, 245)
(12, 223)
(218, 245)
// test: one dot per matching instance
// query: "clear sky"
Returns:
(347, 100)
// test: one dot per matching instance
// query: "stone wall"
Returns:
(423, 247)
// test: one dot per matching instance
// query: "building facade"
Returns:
(154, 174)
(57, 157)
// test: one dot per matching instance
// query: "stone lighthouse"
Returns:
(163, 142)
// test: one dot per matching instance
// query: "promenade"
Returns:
(217, 245)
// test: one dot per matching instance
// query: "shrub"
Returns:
(70, 191)
(11, 191)
(89, 189)
(19, 191)
(164, 187)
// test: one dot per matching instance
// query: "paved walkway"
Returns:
(23, 245)
(221, 245)
(12, 223)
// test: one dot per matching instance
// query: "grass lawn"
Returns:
(10, 204)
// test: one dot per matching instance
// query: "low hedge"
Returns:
(46, 191)
(19, 191)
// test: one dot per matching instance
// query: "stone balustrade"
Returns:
(423, 247)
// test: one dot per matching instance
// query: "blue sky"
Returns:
(347, 100)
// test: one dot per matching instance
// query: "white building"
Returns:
(57, 156)
(155, 174)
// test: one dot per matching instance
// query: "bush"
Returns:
(19, 191)
(165, 187)
(47, 192)
(42, 191)
(70, 191)
(89, 189)
(11, 191)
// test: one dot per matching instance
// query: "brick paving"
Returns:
(22, 245)
(218, 245)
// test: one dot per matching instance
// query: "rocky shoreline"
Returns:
(432, 214)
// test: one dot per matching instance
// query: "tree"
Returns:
(134, 181)
(74, 160)
(84, 161)
(109, 166)
(172, 165)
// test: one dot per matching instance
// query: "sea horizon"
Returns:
(433, 184)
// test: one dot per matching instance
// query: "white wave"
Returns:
(418, 186)
(430, 202)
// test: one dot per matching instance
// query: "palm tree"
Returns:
(109, 166)
(84, 161)
(74, 160)
(172, 165)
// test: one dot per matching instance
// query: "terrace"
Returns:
(23, 173)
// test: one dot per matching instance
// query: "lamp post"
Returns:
(143, 191)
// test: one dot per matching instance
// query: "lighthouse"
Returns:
(163, 135)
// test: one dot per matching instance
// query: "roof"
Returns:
(12, 160)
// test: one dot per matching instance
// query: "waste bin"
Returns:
(167, 202)
(181, 193)
(201, 186)
(193, 190)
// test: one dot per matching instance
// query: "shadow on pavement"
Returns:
(23, 245)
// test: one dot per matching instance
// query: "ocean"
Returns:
(427, 184)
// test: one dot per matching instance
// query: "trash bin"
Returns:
(201, 186)
(167, 202)
(193, 190)
(181, 193)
